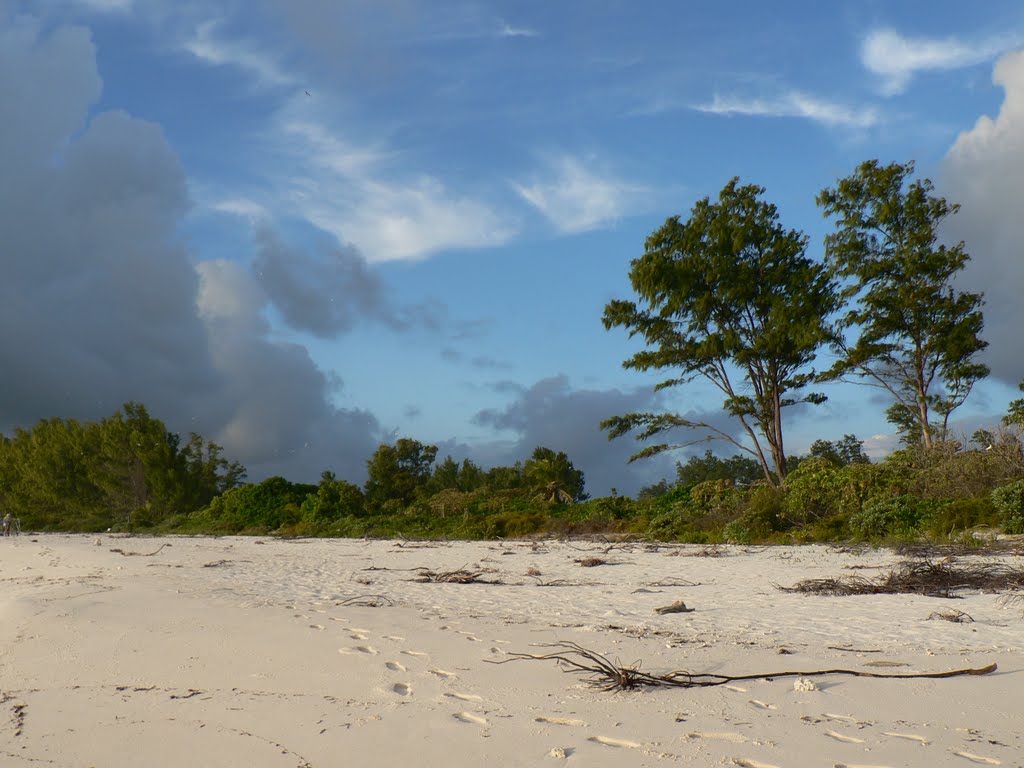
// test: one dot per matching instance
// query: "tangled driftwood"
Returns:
(460, 576)
(935, 579)
(609, 676)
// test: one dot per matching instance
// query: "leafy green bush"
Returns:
(1009, 502)
(960, 515)
(900, 517)
(762, 517)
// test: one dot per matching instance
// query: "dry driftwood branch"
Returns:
(460, 576)
(957, 617)
(368, 601)
(677, 607)
(568, 583)
(672, 583)
(611, 676)
(934, 579)
(140, 554)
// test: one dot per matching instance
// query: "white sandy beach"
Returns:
(239, 652)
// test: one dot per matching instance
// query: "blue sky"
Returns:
(303, 227)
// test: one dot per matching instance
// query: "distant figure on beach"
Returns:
(7, 524)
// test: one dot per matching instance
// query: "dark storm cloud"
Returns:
(331, 290)
(101, 304)
(984, 171)
(97, 301)
(553, 414)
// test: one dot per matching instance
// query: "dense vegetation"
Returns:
(128, 473)
(728, 296)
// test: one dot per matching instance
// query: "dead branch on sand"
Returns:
(567, 583)
(368, 601)
(460, 576)
(611, 676)
(957, 617)
(140, 554)
(712, 550)
(677, 607)
(591, 562)
(934, 579)
(672, 583)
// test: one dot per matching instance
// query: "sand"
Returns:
(241, 652)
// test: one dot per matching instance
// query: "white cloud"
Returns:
(575, 199)
(347, 191)
(793, 104)
(896, 59)
(242, 206)
(205, 46)
(507, 30)
(984, 171)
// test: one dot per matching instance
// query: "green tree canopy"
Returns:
(396, 472)
(914, 335)
(698, 469)
(841, 453)
(553, 476)
(730, 297)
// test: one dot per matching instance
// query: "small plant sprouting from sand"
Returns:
(934, 579)
(606, 675)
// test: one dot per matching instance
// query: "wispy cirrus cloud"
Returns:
(575, 198)
(792, 104)
(216, 50)
(897, 58)
(508, 30)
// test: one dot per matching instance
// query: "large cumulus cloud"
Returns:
(100, 303)
(984, 171)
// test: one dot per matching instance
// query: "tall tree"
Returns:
(397, 471)
(553, 476)
(728, 296)
(915, 336)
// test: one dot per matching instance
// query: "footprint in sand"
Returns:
(610, 742)
(469, 717)
(443, 674)
(762, 704)
(745, 763)
(465, 696)
(415, 653)
(910, 736)
(735, 738)
(560, 721)
(978, 758)
(358, 636)
(367, 649)
(402, 689)
(319, 626)
(395, 638)
(394, 666)
(842, 737)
